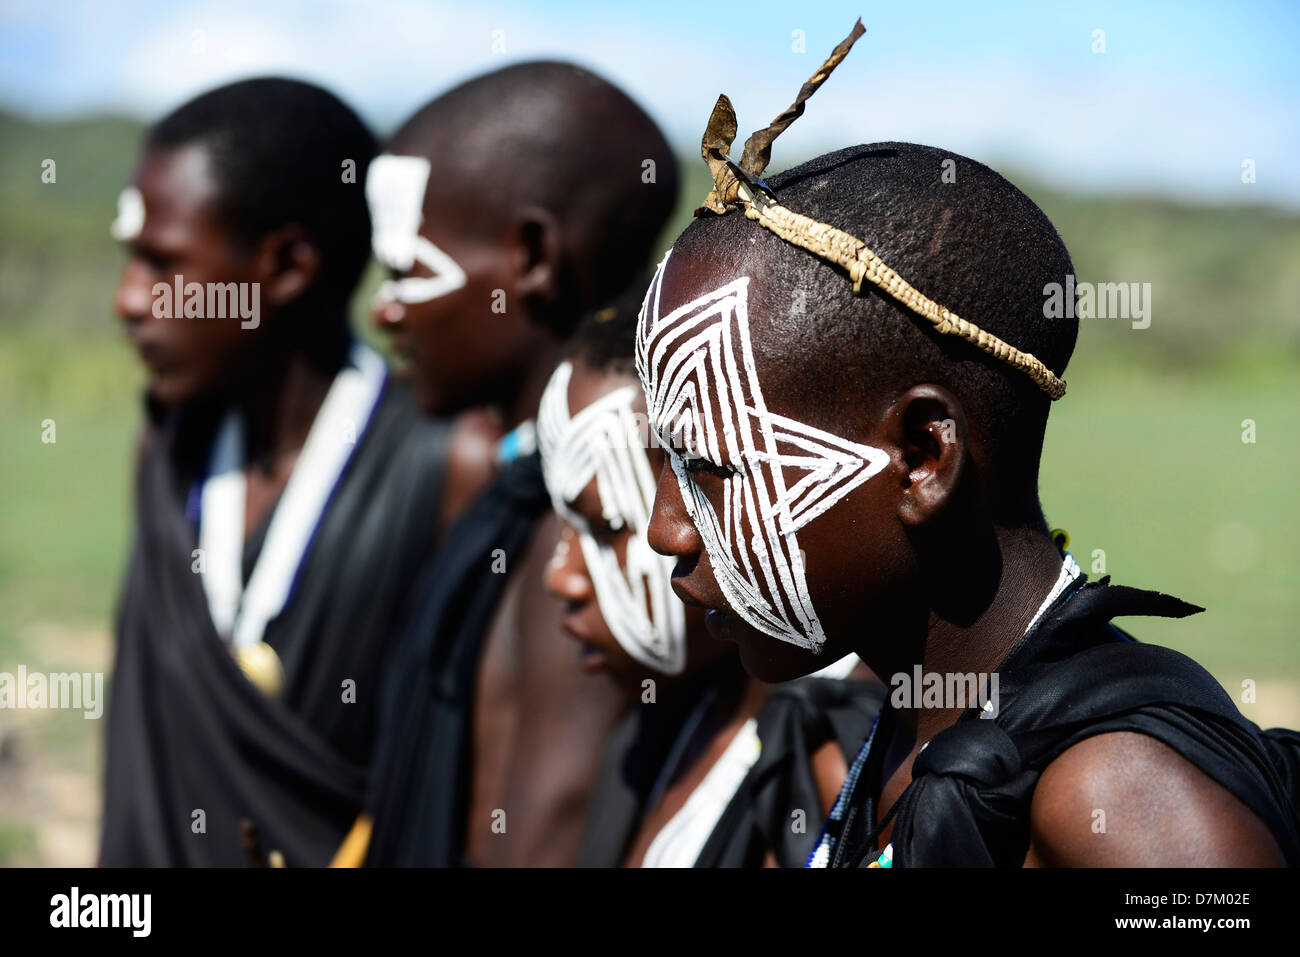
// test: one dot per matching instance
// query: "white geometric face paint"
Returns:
(130, 215)
(603, 442)
(395, 188)
(697, 367)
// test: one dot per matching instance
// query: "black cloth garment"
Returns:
(186, 731)
(1072, 676)
(420, 781)
(797, 718)
(644, 743)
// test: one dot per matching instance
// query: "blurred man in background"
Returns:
(506, 209)
(287, 491)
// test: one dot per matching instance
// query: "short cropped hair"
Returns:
(277, 149)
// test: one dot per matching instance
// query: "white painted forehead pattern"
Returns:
(395, 187)
(130, 215)
(604, 442)
(697, 367)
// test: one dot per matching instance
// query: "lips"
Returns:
(401, 344)
(151, 354)
(403, 351)
(687, 596)
(591, 655)
(593, 659)
(716, 619)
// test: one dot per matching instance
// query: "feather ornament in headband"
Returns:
(736, 185)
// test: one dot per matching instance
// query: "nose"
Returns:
(566, 573)
(386, 313)
(133, 299)
(671, 531)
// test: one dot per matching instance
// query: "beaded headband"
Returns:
(737, 186)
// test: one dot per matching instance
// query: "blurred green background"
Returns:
(1144, 459)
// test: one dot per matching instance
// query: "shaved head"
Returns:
(977, 245)
(556, 137)
(834, 458)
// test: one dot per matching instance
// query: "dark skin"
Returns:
(568, 579)
(279, 379)
(539, 726)
(884, 555)
(458, 352)
(486, 368)
(278, 372)
(471, 463)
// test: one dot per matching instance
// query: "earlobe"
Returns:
(291, 262)
(930, 428)
(537, 235)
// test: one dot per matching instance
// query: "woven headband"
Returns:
(736, 186)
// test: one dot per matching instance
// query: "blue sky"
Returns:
(1183, 93)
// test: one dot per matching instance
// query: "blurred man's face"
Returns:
(447, 307)
(186, 357)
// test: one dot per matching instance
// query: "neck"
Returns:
(973, 625)
(280, 405)
(740, 696)
(527, 396)
(752, 697)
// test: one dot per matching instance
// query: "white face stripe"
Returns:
(395, 188)
(130, 215)
(697, 368)
(603, 442)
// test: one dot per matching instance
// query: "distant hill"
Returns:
(1226, 279)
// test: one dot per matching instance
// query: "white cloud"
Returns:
(1087, 122)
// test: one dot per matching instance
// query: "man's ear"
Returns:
(928, 426)
(537, 262)
(289, 262)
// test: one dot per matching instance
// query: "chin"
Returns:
(437, 397)
(172, 391)
(773, 669)
(766, 658)
(428, 397)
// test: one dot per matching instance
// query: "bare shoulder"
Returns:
(562, 722)
(471, 462)
(1126, 800)
(829, 771)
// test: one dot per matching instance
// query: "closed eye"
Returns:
(693, 465)
(158, 260)
(603, 532)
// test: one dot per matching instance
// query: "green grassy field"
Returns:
(1152, 470)
(1144, 458)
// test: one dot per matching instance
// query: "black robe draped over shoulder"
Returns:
(187, 732)
(797, 718)
(1074, 675)
(420, 782)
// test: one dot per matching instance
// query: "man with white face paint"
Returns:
(710, 766)
(395, 187)
(494, 217)
(601, 446)
(778, 473)
(853, 370)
